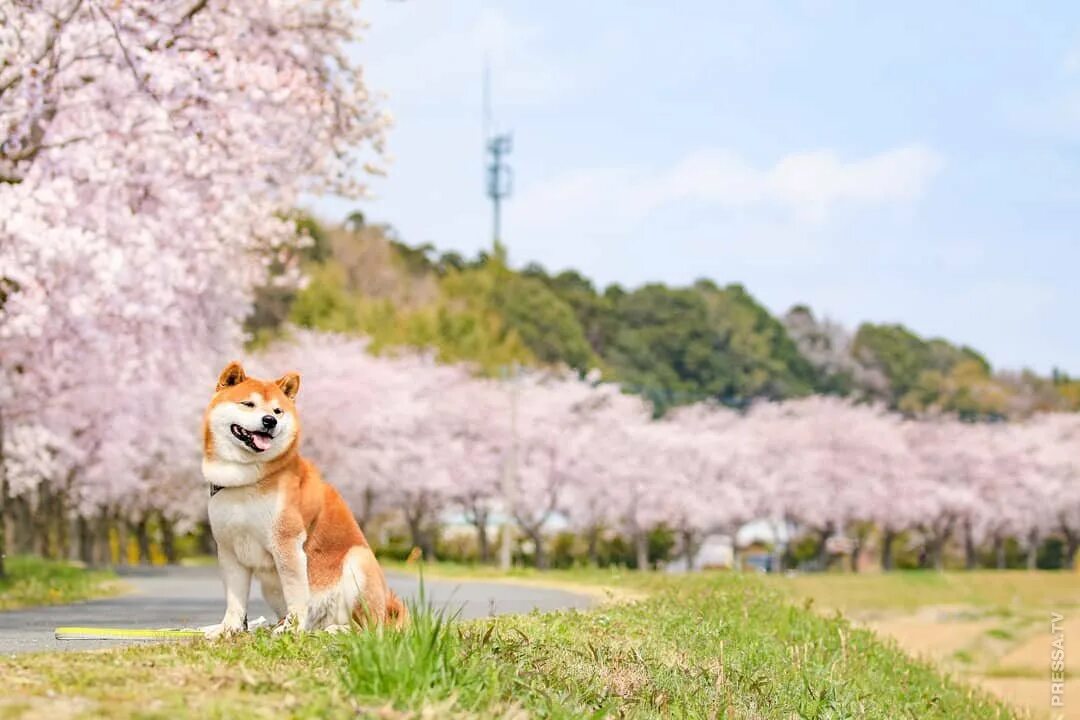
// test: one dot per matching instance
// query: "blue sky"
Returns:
(892, 162)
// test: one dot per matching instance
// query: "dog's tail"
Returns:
(397, 615)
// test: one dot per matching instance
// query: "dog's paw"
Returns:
(335, 629)
(288, 624)
(222, 631)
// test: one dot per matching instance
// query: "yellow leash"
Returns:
(90, 633)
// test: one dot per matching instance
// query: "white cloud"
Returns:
(804, 187)
(811, 183)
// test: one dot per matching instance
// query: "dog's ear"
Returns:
(289, 384)
(233, 374)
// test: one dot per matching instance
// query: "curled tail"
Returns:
(397, 615)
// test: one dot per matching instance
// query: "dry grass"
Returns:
(1003, 589)
(990, 627)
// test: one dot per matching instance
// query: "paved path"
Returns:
(193, 597)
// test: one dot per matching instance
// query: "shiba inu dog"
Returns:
(274, 518)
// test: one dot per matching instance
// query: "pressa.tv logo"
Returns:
(1057, 666)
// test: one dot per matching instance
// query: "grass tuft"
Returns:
(413, 666)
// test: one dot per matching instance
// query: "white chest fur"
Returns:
(231, 474)
(242, 520)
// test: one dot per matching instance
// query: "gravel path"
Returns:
(193, 597)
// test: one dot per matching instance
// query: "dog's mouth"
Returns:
(257, 440)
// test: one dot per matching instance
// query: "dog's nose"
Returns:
(269, 422)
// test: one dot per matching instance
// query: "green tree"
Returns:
(925, 374)
(545, 322)
(593, 310)
(683, 344)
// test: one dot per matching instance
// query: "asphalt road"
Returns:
(193, 597)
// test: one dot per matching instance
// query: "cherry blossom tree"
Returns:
(473, 416)
(151, 152)
(616, 476)
(704, 450)
(553, 417)
(1055, 437)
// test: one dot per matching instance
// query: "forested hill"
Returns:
(673, 344)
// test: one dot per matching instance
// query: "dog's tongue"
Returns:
(261, 440)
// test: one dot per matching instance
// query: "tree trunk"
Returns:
(593, 539)
(641, 547)
(736, 556)
(86, 540)
(168, 540)
(422, 537)
(23, 526)
(823, 552)
(971, 556)
(1072, 544)
(102, 544)
(427, 543)
(39, 527)
(142, 539)
(4, 504)
(999, 552)
(887, 540)
(1033, 550)
(689, 548)
(778, 553)
(122, 537)
(938, 536)
(483, 542)
(779, 547)
(935, 557)
(60, 523)
(75, 545)
(539, 552)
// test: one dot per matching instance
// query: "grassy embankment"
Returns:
(716, 645)
(32, 581)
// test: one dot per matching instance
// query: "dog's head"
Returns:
(251, 420)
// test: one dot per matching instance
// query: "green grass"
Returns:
(32, 581)
(702, 646)
(585, 575)
(1014, 671)
(963, 656)
(1000, 634)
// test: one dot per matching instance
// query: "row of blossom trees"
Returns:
(428, 439)
(401, 435)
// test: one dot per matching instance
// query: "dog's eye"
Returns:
(277, 411)
(248, 403)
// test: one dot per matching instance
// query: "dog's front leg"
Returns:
(237, 579)
(291, 562)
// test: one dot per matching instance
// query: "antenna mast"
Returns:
(499, 176)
